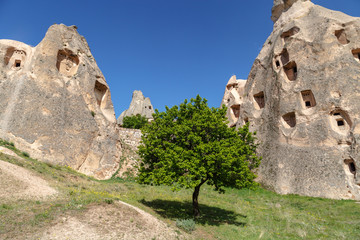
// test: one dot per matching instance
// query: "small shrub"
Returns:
(6, 206)
(109, 201)
(7, 144)
(188, 225)
(25, 154)
(93, 113)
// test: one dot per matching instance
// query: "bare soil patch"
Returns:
(19, 183)
(118, 220)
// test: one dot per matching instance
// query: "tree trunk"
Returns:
(196, 209)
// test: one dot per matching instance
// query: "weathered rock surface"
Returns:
(139, 105)
(302, 97)
(281, 6)
(130, 141)
(233, 97)
(56, 105)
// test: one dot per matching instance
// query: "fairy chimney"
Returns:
(56, 105)
(302, 97)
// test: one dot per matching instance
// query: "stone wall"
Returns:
(131, 137)
(130, 140)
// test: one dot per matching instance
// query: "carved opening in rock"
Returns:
(149, 107)
(17, 63)
(246, 120)
(289, 119)
(341, 36)
(260, 100)
(14, 58)
(350, 165)
(277, 63)
(308, 99)
(236, 110)
(289, 33)
(285, 57)
(67, 62)
(340, 120)
(100, 91)
(291, 71)
(231, 86)
(356, 53)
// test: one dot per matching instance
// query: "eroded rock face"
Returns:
(233, 97)
(281, 6)
(139, 105)
(308, 74)
(56, 105)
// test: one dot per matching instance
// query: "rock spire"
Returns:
(139, 105)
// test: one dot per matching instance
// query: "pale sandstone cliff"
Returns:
(233, 97)
(56, 105)
(302, 97)
(139, 105)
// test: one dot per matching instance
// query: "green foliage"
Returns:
(189, 145)
(7, 144)
(93, 113)
(25, 154)
(188, 225)
(109, 201)
(136, 122)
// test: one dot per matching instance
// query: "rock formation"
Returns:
(281, 6)
(232, 99)
(302, 97)
(139, 105)
(56, 105)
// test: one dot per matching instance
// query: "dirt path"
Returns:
(19, 183)
(117, 220)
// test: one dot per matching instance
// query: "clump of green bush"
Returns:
(6, 143)
(25, 154)
(135, 122)
(188, 225)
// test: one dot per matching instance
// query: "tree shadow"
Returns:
(213, 216)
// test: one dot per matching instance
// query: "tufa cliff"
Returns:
(139, 105)
(302, 97)
(56, 105)
(233, 98)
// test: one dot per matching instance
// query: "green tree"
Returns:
(135, 122)
(189, 145)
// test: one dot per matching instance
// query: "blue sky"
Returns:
(169, 49)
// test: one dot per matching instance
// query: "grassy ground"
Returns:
(237, 214)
